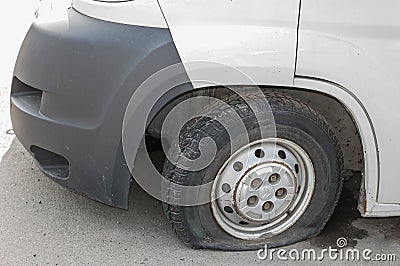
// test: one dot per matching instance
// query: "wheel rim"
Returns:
(263, 189)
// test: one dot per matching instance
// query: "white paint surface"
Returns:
(257, 37)
(15, 20)
(139, 12)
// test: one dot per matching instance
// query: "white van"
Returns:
(261, 109)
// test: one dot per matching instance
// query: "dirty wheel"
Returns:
(276, 191)
(272, 190)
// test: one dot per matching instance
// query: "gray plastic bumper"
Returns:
(72, 82)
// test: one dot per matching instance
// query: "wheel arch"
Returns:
(363, 123)
(367, 162)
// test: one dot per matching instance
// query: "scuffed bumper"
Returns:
(72, 81)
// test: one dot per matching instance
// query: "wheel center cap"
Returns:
(265, 193)
(256, 197)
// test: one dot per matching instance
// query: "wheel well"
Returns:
(340, 120)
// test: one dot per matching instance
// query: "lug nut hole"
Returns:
(274, 178)
(259, 153)
(228, 209)
(252, 201)
(256, 183)
(268, 206)
(281, 193)
(226, 188)
(237, 166)
(282, 154)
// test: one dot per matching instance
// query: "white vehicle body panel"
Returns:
(138, 12)
(258, 37)
(358, 47)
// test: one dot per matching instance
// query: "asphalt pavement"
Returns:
(43, 223)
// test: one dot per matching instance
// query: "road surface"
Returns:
(43, 223)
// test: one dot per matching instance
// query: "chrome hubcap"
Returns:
(263, 189)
